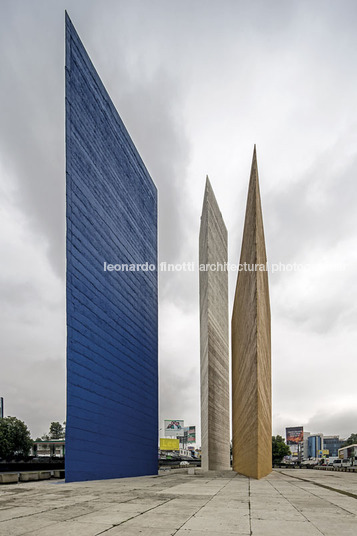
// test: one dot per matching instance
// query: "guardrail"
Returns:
(176, 463)
(350, 469)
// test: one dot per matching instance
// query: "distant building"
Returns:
(52, 447)
(186, 453)
(315, 444)
(350, 451)
(332, 444)
(306, 445)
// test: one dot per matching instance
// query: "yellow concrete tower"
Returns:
(251, 347)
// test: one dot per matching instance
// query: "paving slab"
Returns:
(335, 527)
(24, 525)
(188, 532)
(66, 513)
(153, 519)
(140, 531)
(219, 525)
(286, 528)
(19, 512)
(72, 528)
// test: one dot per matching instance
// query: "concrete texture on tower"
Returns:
(215, 429)
(112, 334)
(251, 348)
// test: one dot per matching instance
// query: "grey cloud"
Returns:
(31, 133)
(15, 294)
(306, 221)
(152, 109)
(315, 212)
(39, 399)
(343, 422)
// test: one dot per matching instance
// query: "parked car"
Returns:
(331, 460)
(309, 463)
(337, 463)
(184, 464)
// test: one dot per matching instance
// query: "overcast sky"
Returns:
(197, 83)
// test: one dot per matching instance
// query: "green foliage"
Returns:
(14, 437)
(280, 449)
(57, 431)
(352, 440)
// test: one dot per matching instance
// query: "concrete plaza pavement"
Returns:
(287, 502)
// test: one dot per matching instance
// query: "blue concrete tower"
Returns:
(112, 332)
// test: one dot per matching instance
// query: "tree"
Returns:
(15, 437)
(280, 449)
(56, 430)
(352, 440)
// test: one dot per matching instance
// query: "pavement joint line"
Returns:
(296, 508)
(59, 507)
(27, 515)
(322, 498)
(89, 501)
(134, 517)
(54, 508)
(209, 500)
(330, 488)
(249, 508)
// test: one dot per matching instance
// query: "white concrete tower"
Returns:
(214, 338)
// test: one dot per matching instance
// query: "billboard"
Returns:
(191, 434)
(173, 427)
(324, 452)
(294, 435)
(169, 444)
